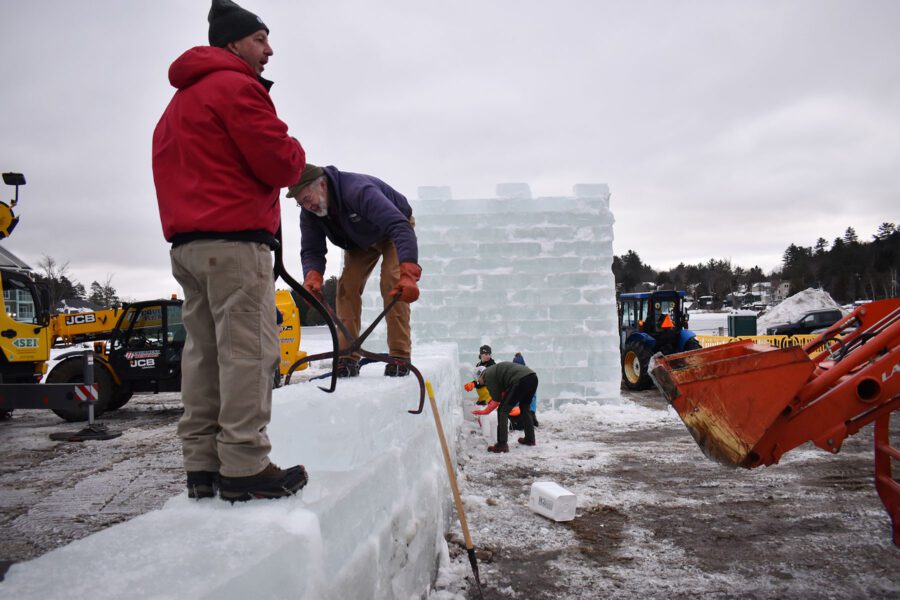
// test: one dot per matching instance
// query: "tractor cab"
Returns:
(651, 322)
(146, 346)
(652, 313)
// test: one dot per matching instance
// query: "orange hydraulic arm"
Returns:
(747, 404)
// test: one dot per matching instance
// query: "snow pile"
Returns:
(794, 307)
(370, 523)
(522, 274)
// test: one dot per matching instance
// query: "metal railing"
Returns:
(776, 341)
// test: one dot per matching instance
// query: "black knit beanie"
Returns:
(228, 23)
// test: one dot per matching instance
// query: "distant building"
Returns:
(764, 292)
(781, 292)
(18, 302)
(8, 260)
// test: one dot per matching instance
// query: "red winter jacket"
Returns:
(220, 153)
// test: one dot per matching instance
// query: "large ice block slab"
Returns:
(514, 190)
(368, 525)
(553, 501)
(435, 192)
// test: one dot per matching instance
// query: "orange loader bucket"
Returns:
(747, 404)
(729, 396)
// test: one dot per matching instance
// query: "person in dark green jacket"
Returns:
(512, 385)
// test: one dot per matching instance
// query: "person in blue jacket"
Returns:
(516, 422)
(369, 220)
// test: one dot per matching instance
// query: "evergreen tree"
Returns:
(849, 270)
(104, 295)
(755, 275)
(629, 272)
(885, 230)
(821, 246)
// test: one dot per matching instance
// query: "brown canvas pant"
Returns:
(230, 355)
(358, 265)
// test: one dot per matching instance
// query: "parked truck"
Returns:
(809, 322)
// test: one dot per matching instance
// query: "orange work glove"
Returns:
(515, 412)
(469, 386)
(406, 287)
(313, 283)
(487, 409)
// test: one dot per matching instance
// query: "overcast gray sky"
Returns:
(724, 129)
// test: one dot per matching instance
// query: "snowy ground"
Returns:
(655, 518)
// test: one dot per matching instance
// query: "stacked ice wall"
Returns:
(522, 274)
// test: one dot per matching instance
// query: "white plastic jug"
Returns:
(489, 427)
(552, 500)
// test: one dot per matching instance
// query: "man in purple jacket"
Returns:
(369, 220)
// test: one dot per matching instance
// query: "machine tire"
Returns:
(635, 360)
(120, 396)
(70, 371)
(691, 344)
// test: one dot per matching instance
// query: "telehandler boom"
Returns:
(73, 328)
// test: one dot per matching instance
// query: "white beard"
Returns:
(322, 212)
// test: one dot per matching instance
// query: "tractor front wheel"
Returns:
(635, 361)
(692, 344)
(120, 396)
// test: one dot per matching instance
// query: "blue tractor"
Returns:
(651, 322)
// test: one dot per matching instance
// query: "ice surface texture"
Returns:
(523, 274)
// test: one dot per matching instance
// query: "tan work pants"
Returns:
(358, 265)
(230, 355)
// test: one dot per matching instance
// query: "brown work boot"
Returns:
(498, 448)
(347, 367)
(392, 370)
(271, 482)
(525, 442)
(202, 484)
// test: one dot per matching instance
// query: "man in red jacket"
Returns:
(220, 157)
